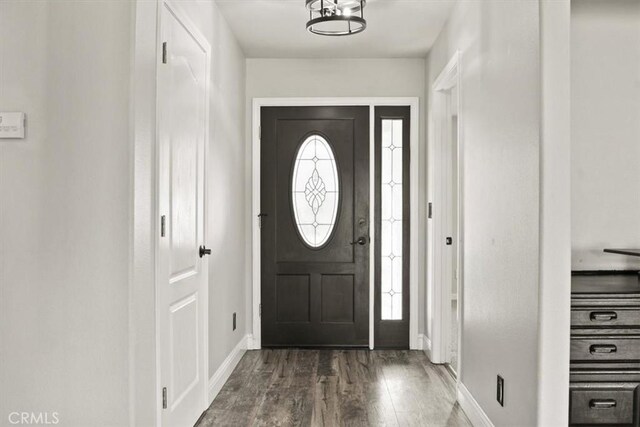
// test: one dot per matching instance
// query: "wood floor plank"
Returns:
(249, 397)
(352, 401)
(302, 387)
(294, 387)
(420, 394)
(380, 408)
(289, 398)
(326, 405)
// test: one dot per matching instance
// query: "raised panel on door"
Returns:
(293, 299)
(183, 173)
(184, 347)
(338, 298)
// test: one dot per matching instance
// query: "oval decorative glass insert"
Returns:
(315, 191)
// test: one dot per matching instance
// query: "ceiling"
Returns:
(395, 29)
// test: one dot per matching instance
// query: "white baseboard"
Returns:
(424, 344)
(226, 368)
(252, 343)
(471, 408)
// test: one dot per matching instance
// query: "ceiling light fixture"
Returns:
(336, 17)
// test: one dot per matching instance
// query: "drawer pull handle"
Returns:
(603, 348)
(602, 403)
(603, 316)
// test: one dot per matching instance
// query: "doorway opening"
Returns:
(445, 279)
(349, 307)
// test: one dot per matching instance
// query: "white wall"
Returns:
(605, 121)
(500, 130)
(282, 78)
(64, 211)
(77, 335)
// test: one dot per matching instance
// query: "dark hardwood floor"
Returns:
(294, 387)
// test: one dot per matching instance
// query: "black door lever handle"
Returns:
(361, 241)
(204, 251)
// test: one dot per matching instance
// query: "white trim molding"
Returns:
(424, 344)
(225, 370)
(439, 262)
(414, 169)
(143, 366)
(554, 292)
(251, 344)
(471, 408)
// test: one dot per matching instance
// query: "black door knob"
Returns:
(361, 241)
(204, 251)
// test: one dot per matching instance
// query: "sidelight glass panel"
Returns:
(315, 191)
(391, 220)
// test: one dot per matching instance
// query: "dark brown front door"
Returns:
(315, 226)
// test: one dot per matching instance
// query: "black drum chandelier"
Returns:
(336, 17)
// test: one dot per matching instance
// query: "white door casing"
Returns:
(414, 277)
(450, 221)
(443, 260)
(182, 275)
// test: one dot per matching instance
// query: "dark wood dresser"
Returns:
(605, 350)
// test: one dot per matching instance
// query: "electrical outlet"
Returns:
(500, 391)
(234, 321)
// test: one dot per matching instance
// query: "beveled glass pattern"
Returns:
(391, 219)
(315, 191)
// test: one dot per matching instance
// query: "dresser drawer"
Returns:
(596, 317)
(604, 404)
(595, 348)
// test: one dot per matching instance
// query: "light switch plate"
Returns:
(12, 125)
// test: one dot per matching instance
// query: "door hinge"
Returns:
(164, 52)
(163, 225)
(430, 210)
(164, 398)
(260, 132)
(260, 310)
(260, 216)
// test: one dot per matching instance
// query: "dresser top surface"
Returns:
(605, 284)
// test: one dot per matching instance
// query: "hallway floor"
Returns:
(293, 387)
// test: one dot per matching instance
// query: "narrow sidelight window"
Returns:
(392, 227)
(391, 219)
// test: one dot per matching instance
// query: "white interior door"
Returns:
(182, 271)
